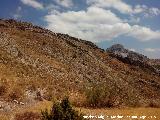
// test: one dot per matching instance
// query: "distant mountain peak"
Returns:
(116, 47)
(120, 51)
(130, 57)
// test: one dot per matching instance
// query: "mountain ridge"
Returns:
(133, 58)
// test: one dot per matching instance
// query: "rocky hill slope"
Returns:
(135, 59)
(38, 64)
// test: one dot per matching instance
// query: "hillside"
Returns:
(37, 64)
(134, 59)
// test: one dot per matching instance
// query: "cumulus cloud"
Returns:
(155, 11)
(105, 26)
(116, 4)
(33, 3)
(65, 3)
(148, 12)
(144, 33)
(86, 24)
(125, 8)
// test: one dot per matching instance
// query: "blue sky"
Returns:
(133, 23)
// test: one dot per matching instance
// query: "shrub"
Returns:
(4, 86)
(97, 96)
(78, 99)
(3, 90)
(62, 111)
(16, 94)
(153, 104)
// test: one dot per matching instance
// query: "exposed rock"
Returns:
(130, 57)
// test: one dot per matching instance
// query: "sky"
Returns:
(132, 23)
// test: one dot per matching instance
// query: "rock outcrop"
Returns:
(133, 58)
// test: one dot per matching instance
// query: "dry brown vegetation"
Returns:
(36, 110)
(37, 64)
(28, 116)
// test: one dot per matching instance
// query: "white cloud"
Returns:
(152, 49)
(144, 33)
(125, 8)
(133, 20)
(151, 12)
(154, 11)
(87, 25)
(116, 4)
(148, 12)
(65, 3)
(18, 15)
(33, 3)
(140, 9)
(153, 53)
(132, 49)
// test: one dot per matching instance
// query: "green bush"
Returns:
(97, 95)
(62, 111)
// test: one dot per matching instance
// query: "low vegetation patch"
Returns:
(99, 95)
(62, 111)
(28, 116)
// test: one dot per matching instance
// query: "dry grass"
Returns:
(4, 116)
(124, 112)
(36, 108)
(95, 112)
(28, 116)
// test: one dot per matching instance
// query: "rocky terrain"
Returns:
(155, 63)
(37, 64)
(118, 51)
